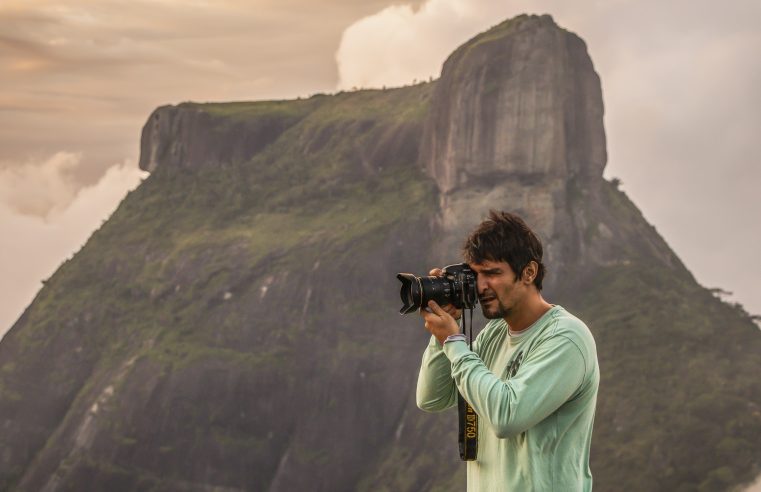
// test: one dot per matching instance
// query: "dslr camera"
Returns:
(457, 286)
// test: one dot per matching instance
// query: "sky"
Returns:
(79, 78)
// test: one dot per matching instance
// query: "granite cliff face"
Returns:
(527, 105)
(234, 325)
(188, 137)
(516, 119)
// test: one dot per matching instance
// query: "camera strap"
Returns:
(468, 419)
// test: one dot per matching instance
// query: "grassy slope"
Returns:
(149, 282)
(679, 401)
(676, 410)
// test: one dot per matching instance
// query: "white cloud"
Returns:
(38, 188)
(33, 246)
(398, 44)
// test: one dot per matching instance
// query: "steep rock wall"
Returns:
(521, 99)
(516, 123)
(187, 136)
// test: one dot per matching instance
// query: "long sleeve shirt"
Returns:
(535, 395)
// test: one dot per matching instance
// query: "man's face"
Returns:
(499, 292)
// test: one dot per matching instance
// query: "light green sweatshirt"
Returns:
(535, 396)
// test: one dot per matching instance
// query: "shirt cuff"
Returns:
(456, 349)
(455, 337)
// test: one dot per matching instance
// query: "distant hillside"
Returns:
(234, 325)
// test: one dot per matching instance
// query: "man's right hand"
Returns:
(449, 309)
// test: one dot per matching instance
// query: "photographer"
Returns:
(532, 376)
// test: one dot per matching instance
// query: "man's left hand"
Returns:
(440, 323)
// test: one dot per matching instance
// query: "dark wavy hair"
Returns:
(505, 237)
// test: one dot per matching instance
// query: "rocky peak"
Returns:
(521, 99)
(516, 116)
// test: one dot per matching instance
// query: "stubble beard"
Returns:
(498, 311)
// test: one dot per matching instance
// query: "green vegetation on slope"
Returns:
(675, 409)
(173, 279)
(678, 407)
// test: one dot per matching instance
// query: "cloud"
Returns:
(39, 188)
(36, 240)
(107, 64)
(400, 44)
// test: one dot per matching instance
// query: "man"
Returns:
(531, 377)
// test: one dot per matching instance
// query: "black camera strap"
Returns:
(468, 419)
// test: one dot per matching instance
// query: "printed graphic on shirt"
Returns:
(515, 363)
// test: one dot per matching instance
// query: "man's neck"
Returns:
(520, 319)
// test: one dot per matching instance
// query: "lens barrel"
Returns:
(457, 287)
(417, 291)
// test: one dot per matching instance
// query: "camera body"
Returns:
(457, 286)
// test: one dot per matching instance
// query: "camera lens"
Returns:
(417, 291)
(456, 287)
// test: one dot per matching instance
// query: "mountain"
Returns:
(234, 325)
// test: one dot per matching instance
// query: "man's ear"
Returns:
(529, 272)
